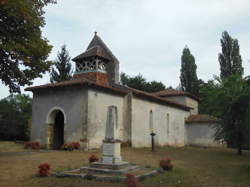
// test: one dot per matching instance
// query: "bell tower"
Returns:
(97, 63)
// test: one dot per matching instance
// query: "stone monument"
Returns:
(111, 161)
(111, 147)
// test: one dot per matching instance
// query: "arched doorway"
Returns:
(58, 130)
(56, 120)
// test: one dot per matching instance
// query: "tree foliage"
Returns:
(63, 69)
(230, 58)
(140, 83)
(15, 115)
(23, 50)
(188, 77)
(228, 99)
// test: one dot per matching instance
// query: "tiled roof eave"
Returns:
(162, 101)
(87, 84)
(201, 119)
(192, 122)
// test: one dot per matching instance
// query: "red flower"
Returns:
(131, 180)
(93, 158)
(44, 170)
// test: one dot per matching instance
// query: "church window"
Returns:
(151, 128)
(168, 124)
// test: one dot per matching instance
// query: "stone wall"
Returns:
(201, 134)
(187, 101)
(173, 135)
(98, 103)
(71, 101)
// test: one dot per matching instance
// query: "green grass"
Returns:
(198, 167)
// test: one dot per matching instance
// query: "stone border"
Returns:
(105, 178)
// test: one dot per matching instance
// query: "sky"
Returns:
(148, 36)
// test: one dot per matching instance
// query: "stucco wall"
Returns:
(184, 100)
(201, 134)
(141, 126)
(73, 102)
(193, 104)
(97, 115)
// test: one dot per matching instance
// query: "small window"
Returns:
(168, 124)
(151, 127)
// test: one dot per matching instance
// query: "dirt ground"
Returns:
(198, 167)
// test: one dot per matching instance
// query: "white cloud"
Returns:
(148, 36)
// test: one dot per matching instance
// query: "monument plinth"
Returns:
(111, 161)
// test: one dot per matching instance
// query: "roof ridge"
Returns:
(97, 41)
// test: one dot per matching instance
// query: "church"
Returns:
(76, 110)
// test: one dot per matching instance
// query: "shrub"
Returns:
(131, 180)
(44, 170)
(75, 145)
(166, 164)
(67, 147)
(70, 146)
(32, 145)
(93, 158)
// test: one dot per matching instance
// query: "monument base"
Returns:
(117, 168)
(111, 153)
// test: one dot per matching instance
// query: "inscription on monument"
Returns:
(108, 149)
(107, 160)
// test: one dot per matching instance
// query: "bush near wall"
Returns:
(32, 145)
(70, 146)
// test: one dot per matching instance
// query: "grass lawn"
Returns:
(198, 167)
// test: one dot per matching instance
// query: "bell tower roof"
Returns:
(98, 58)
(97, 48)
(91, 52)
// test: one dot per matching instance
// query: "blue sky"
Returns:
(148, 36)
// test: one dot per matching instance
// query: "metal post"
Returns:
(152, 141)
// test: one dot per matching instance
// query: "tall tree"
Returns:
(230, 58)
(63, 69)
(188, 78)
(228, 99)
(23, 50)
(140, 83)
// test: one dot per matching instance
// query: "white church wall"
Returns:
(193, 104)
(201, 134)
(174, 134)
(72, 102)
(97, 115)
(184, 100)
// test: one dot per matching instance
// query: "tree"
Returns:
(188, 78)
(23, 50)
(228, 99)
(63, 69)
(140, 83)
(15, 114)
(230, 58)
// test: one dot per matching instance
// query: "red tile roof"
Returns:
(201, 118)
(158, 99)
(171, 93)
(82, 81)
(94, 51)
(116, 89)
